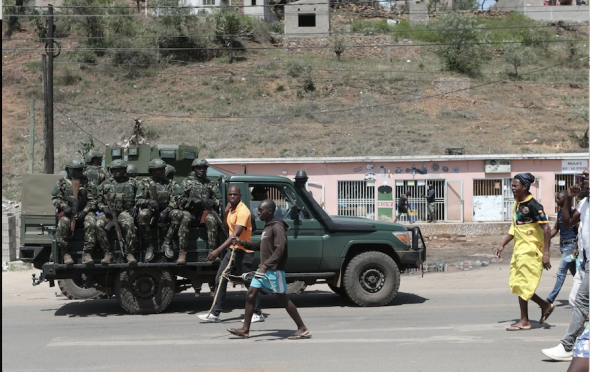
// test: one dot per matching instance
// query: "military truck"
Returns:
(359, 259)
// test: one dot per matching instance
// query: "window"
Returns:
(417, 204)
(283, 196)
(487, 187)
(208, 2)
(307, 20)
(253, 2)
(356, 199)
(563, 182)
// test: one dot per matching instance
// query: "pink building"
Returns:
(468, 187)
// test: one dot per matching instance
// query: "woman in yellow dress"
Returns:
(532, 239)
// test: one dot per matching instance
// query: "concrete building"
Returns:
(259, 9)
(535, 9)
(469, 188)
(197, 6)
(419, 13)
(307, 17)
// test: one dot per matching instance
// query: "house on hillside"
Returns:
(307, 17)
(536, 10)
(196, 6)
(259, 9)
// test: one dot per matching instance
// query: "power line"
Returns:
(79, 127)
(311, 113)
(108, 49)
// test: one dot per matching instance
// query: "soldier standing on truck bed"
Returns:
(156, 196)
(119, 191)
(73, 198)
(94, 171)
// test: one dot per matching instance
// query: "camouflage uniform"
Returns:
(96, 174)
(196, 192)
(121, 194)
(167, 194)
(60, 197)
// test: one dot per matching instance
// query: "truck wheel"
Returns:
(371, 279)
(340, 291)
(144, 290)
(75, 289)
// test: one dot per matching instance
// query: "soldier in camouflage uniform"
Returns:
(62, 198)
(120, 191)
(94, 171)
(170, 172)
(132, 171)
(165, 206)
(200, 197)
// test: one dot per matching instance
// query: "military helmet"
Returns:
(200, 162)
(132, 170)
(157, 164)
(91, 155)
(74, 164)
(118, 163)
(170, 169)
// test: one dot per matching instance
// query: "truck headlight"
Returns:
(404, 236)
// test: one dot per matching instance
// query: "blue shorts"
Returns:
(581, 345)
(273, 282)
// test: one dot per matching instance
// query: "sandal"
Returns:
(236, 332)
(296, 336)
(547, 314)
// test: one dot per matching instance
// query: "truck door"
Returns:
(304, 235)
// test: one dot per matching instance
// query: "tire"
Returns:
(74, 289)
(340, 291)
(371, 279)
(144, 290)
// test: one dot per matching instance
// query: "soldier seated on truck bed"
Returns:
(156, 196)
(73, 198)
(94, 171)
(119, 193)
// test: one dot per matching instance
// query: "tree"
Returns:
(230, 27)
(517, 55)
(338, 46)
(13, 20)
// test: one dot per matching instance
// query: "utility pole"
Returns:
(48, 157)
(32, 136)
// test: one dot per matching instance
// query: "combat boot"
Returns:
(108, 258)
(181, 258)
(167, 247)
(131, 259)
(87, 259)
(68, 259)
(149, 253)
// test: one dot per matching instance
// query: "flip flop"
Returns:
(547, 314)
(295, 336)
(235, 332)
(516, 328)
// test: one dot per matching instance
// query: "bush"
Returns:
(295, 69)
(230, 27)
(462, 51)
(277, 27)
(338, 46)
(517, 55)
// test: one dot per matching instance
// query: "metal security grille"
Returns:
(356, 199)
(508, 198)
(418, 206)
(563, 182)
(492, 187)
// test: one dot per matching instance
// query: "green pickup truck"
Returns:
(358, 258)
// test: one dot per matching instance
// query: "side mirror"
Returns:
(294, 213)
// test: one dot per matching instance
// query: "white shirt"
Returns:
(583, 238)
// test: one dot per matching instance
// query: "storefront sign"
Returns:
(385, 204)
(497, 166)
(573, 166)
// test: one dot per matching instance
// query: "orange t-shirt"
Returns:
(241, 217)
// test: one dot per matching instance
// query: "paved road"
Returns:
(442, 322)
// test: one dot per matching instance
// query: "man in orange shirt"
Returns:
(239, 225)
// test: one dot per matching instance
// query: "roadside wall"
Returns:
(9, 241)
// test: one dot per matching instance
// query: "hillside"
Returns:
(273, 103)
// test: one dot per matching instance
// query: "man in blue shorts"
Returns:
(270, 276)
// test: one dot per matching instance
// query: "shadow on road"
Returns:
(187, 303)
(534, 324)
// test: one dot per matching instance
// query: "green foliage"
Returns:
(517, 56)
(85, 147)
(338, 45)
(230, 27)
(306, 80)
(370, 27)
(295, 69)
(467, 4)
(277, 27)
(461, 50)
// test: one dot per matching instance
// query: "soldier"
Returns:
(170, 172)
(119, 191)
(94, 171)
(163, 203)
(132, 171)
(74, 212)
(199, 202)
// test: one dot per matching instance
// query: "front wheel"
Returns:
(371, 279)
(144, 290)
(78, 289)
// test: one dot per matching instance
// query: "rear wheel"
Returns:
(79, 289)
(371, 279)
(144, 290)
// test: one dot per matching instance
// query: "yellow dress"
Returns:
(526, 265)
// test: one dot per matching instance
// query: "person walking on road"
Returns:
(567, 242)
(532, 239)
(564, 351)
(402, 207)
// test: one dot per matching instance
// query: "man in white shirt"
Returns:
(564, 351)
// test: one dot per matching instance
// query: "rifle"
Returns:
(115, 222)
(75, 203)
(154, 196)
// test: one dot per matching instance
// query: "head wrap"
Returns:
(526, 179)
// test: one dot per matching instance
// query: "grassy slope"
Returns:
(533, 115)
